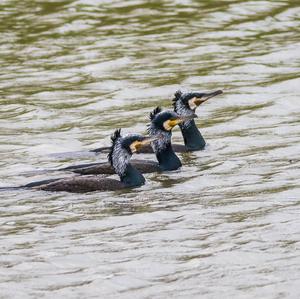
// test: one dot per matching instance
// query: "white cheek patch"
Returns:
(167, 126)
(133, 147)
(192, 104)
(182, 109)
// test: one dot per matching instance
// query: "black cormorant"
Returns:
(119, 159)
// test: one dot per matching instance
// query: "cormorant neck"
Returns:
(167, 159)
(132, 177)
(120, 161)
(193, 139)
(163, 150)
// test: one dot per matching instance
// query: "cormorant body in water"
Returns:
(160, 127)
(119, 158)
(184, 104)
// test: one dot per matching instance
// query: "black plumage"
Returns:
(119, 162)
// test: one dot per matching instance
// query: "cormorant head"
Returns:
(166, 120)
(122, 149)
(187, 103)
(134, 142)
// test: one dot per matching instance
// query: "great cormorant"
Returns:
(119, 159)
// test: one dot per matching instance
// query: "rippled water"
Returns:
(227, 224)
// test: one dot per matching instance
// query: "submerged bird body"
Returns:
(83, 184)
(119, 160)
(144, 166)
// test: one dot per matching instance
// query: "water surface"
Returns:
(227, 224)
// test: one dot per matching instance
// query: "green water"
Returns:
(225, 225)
